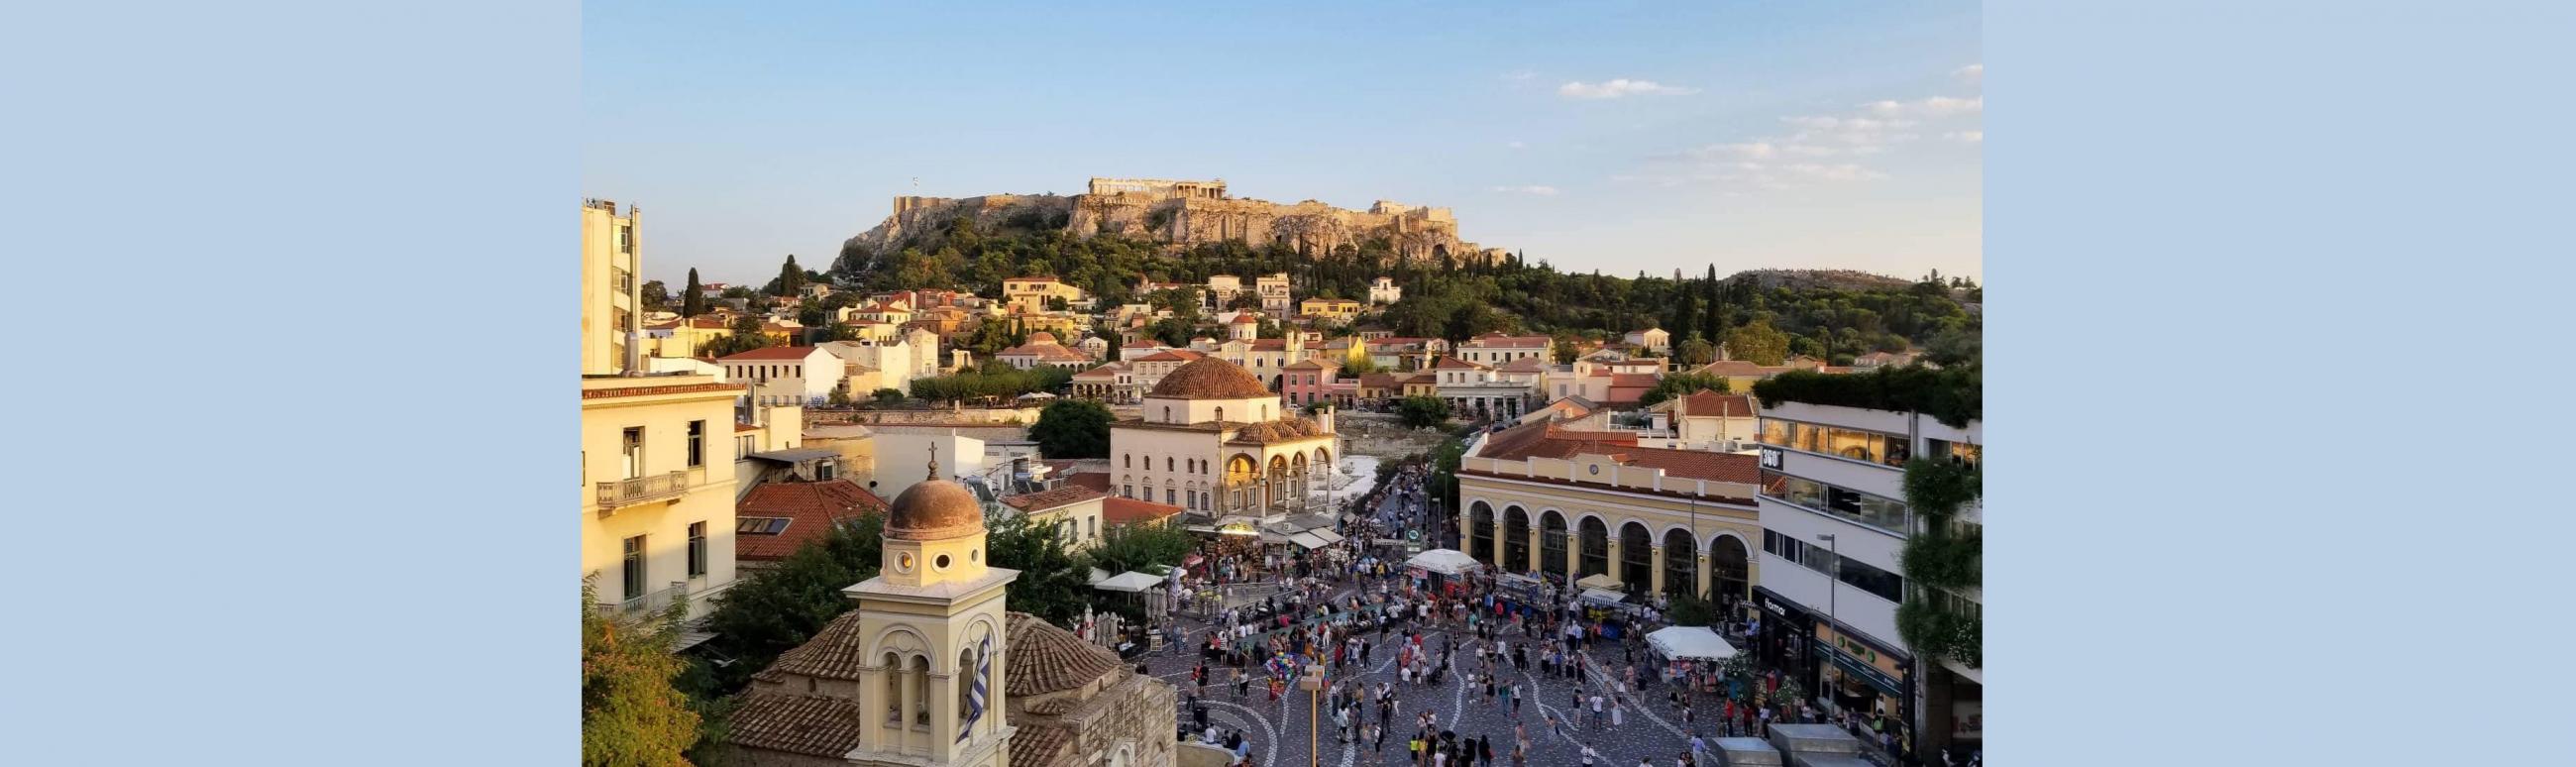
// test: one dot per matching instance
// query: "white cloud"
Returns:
(1520, 76)
(1846, 123)
(1969, 136)
(1843, 172)
(1974, 73)
(1620, 88)
(1936, 106)
(1516, 145)
(1541, 190)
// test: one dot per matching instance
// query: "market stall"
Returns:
(1442, 567)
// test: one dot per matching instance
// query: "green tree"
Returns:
(791, 280)
(1565, 348)
(1073, 428)
(1696, 351)
(746, 336)
(630, 712)
(772, 611)
(656, 297)
(693, 301)
(885, 397)
(1758, 343)
(1141, 548)
(1955, 347)
(1418, 412)
(1052, 584)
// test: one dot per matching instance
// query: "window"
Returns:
(1094, 523)
(1127, 460)
(761, 525)
(1167, 463)
(697, 549)
(1956, 451)
(697, 444)
(632, 449)
(1848, 504)
(1170, 497)
(634, 568)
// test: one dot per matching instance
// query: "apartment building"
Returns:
(1834, 525)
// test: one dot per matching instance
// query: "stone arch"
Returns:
(1552, 542)
(1593, 538)
(1636, 554)
(1480, 531)
(899, 638)
(1730, 567)
(1681, 562)
(1516, 527)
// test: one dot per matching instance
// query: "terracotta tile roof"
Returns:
(771, 353)
(1096, 480)
(1055, 706)
(1695, 464)
(1500, 341)
(1045, 351)
(1139, 345)
(1288, 429)
(1043, 658)
(1738, 368)
(1244, 319)
(836, 652)
(1453, 363)
(740, 427)
(1049, 499)
(1171, 355)
(1308, 364)
(1524, 365)
(1039, 744)
(1121, 511)
(1109, 371)
(1543, 439)
(1710, 404)
(1210, 378)
(811, 507)
(1378, 380)
(813, 725)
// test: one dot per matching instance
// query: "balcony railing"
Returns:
(628, 492)
(648, 604)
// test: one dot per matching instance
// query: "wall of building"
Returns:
(709, 497)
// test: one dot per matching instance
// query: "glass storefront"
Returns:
(1885, 513)
(1855, 444)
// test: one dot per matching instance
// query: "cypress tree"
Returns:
(693, 300)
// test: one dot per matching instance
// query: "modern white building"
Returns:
(1834, 526)
(1383, 290)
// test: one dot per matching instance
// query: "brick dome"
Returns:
(1044, 659)
(933, 509)
(1210, 378)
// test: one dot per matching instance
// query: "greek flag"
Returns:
(975, 694)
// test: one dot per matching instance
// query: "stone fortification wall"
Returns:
(1185, 213)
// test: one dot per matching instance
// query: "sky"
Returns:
(1617, 136)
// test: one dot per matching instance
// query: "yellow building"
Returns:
(930, 670)
(1074, 511)
(611, 293)
(657, 489)
(1033, 293)
(1538, 498)
(1330, 308)
(1212, 440)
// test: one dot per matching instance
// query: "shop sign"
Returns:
(1881, 669)
(1772, 458)
(1774, 607)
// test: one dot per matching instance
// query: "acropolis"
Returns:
(1189, 212)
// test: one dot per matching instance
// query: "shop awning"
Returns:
(1597, 581)
(1128, 582)
(1690, 643)
(1604, 597)
(1327, 536)
(1445, 562)
(1307, 540)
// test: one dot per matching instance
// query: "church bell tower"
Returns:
(935, 654)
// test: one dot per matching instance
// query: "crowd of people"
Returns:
(1341, 610)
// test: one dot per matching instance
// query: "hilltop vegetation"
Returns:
(1826, 314)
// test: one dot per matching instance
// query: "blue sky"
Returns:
(1622, 136)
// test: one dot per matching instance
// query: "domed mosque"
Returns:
(1217, 442)
(930, 668)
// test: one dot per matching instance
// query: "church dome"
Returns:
(933, 509)
(1210, 378)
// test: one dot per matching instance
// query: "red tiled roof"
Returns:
(1096, 480)
(1244, 319)
(771, 353)
(812, 507)
(1500, 341)
(1445, 362)
(740, 427)
(1709, 404)
(1120, 511)
(1542, 439)
(1270, 344)
(1049, 499)
(813, 725)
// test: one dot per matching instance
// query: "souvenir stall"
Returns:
(1690, 652)
(1442, 570)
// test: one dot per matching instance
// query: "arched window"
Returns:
(893, 689)
(965, 684)
(1167, 414)
(921, 681)
(1167, 463)
(1220, 412)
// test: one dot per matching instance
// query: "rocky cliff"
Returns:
(1200, 213)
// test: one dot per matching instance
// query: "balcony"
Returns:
(651, 603)
(628, 492)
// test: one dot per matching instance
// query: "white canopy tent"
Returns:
(1129, 582)
(1597, 581)
(1690, 643)
(1445, 562)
